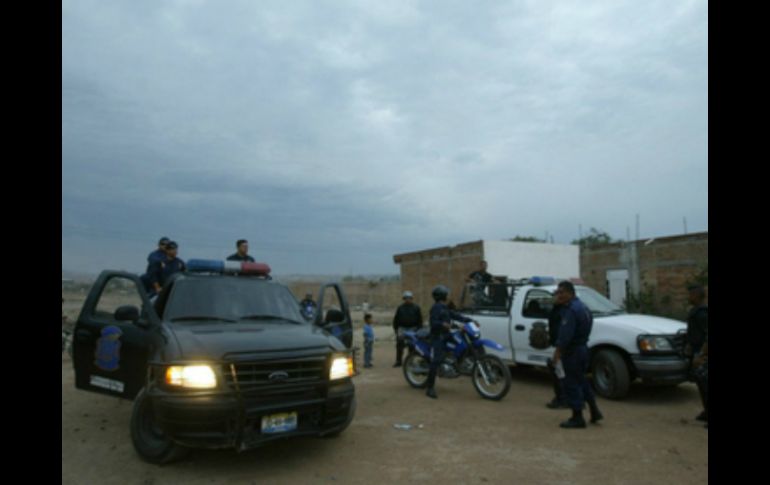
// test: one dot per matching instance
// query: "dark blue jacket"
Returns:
(154, 257)
(576, 323)
(160, 271)
(157, 255)
(238, 257)
(441, 314)
(698, 327)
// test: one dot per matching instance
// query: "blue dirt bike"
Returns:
(464, 354)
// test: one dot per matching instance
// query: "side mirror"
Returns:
(127, 313)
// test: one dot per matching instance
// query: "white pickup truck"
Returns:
(623, 346)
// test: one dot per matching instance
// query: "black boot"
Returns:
(575, 422)
(431, 393)
(596, 415)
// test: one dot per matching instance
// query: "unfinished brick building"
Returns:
(656, 271)
(450, 265)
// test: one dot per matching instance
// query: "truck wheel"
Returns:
(611, 376)
(149, 441)
(498, 374)
(416, 370)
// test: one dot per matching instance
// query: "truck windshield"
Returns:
(596, 302)
(231, 299)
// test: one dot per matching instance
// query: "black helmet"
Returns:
(440, 293)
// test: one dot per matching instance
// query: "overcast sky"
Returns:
(335, 134)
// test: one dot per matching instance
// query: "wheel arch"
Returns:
(593, 351)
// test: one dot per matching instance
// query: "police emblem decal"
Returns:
(108, 349)
(278, 376)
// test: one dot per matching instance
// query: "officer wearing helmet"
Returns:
(408, 317)
(440, 323)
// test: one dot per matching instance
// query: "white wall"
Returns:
(522, 259)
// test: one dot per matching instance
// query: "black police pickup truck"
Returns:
(222, 358)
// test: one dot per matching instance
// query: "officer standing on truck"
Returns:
(408, 317)
(479, 280)
(696, 349)
(159, 253)
(440, 323)
(242, 252)
(161, 271)
(572, 351)
(155, 256)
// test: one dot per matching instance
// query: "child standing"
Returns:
(368, 340)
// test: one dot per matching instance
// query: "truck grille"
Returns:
(275, 375)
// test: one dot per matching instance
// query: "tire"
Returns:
(498, 372)
(413, 367)
(149, 441)
(611, 374)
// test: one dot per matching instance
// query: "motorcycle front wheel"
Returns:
(416, 370)
(491, 377)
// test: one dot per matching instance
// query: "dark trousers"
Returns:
(576, 384)
(701, 378)
(558, 384)
(401, 342)
(437, 344)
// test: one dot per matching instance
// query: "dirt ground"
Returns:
(649, 438)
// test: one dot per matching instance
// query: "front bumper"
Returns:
(233, 420)
(661, 369)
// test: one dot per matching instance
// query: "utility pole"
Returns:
(685, 225)
(637, 227)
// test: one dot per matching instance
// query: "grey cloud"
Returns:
(359, 129)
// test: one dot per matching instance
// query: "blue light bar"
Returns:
(542, 280)
(205, 266)
(227, 267)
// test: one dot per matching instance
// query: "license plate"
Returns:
(279, 423)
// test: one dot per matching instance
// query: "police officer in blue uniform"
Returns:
(440, 324)
(559, 400)
(572, 350)
(696, 348)
(160, 271)
(160, 253)
(154, 257)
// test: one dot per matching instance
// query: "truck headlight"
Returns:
(191, 376)
(653, 343)
(341, 367)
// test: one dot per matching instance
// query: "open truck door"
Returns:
(113, 335)
(333, 313)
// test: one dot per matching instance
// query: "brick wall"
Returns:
(450, 265)
(662, 267)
